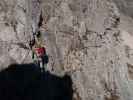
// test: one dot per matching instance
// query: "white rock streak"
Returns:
(127, 39)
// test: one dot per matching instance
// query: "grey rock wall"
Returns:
(88, 39)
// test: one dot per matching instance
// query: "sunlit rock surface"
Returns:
(91, 40)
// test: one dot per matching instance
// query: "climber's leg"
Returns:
(35, 59)
(45, 67)
(44, 63)
(41, 65)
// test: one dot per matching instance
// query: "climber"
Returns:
(39, 55)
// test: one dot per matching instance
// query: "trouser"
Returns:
(42, 64)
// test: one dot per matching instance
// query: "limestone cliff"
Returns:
(91, 40)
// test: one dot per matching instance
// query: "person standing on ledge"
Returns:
(39, 55)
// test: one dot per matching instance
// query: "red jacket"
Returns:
(40, 51)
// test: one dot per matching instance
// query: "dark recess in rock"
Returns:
(25, 82)
(40, 20)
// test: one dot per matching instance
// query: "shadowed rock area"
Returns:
(25, 82)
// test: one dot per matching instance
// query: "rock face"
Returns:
(88, 39)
